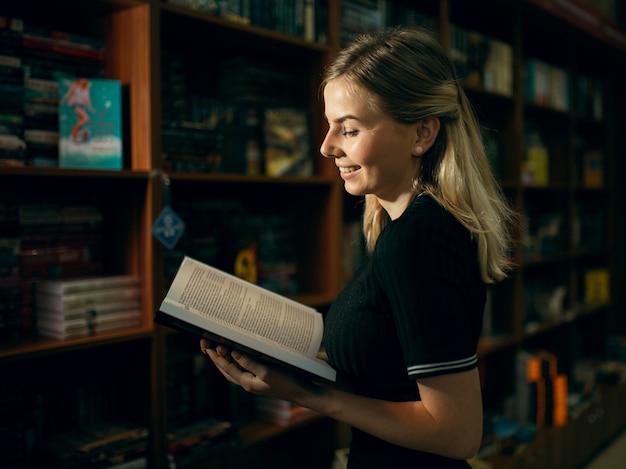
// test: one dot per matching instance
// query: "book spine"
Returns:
(30, 42)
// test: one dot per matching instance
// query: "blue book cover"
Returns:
(90, 123)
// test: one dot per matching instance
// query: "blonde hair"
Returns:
(408, 75)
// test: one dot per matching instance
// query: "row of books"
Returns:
(536, 163)
(589, 226)
(590, 97)
(541, 391)
(32, 435)
(369, 15)
(535, 169)
(596, 286)
(555, 87)
(482, 62)
(97, 445)
(247, 125)
(616, 350)
(543, 234)
(547, 85)
(505, 434)
(188, 376)
(591, 164)
(252, 140)
(194, 444)
(540, 400)
(614, 9)
(301, 18)
(43, 241)
(544, 300)
(58, 110)
(258, 248)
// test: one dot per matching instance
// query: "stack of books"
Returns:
(103, 445)
(81, 307)
(193, 444)
(541, 391)
(49, 56)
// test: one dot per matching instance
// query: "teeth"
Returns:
(348, 170)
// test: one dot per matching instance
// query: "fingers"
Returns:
(212, 354)
(206, 344)
(237, 368)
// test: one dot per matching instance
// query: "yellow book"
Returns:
(597, 286)
(538, 161)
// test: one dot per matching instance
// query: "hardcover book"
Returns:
(223, 308)
(287, 142)
(85, 284)
(90, 124)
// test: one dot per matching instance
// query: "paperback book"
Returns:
(91, 322)
(88, 299)
(222, 307)
(90, 124)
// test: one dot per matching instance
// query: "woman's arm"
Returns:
(447, 421)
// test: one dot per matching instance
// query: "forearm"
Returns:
(451, 427)
(447, 420)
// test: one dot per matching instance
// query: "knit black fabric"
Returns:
(413, 309)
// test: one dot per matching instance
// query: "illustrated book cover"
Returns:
(90, 124)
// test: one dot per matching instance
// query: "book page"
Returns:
(225, 298)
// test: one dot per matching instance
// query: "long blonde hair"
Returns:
(408, 76)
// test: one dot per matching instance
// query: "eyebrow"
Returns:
(342, 119)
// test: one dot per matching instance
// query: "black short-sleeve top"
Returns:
(413, 309)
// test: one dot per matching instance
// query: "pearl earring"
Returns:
(419, 150)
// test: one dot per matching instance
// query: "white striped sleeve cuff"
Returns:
(441, 368)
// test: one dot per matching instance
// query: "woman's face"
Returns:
(374, 153)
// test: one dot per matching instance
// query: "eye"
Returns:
(350, 133)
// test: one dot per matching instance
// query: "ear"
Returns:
(426, 133)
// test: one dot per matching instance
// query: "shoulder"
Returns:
(429, 236)
(427, 220)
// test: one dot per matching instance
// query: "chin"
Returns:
(355, 191)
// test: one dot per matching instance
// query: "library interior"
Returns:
(134, 133)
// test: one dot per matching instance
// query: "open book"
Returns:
(221, 307)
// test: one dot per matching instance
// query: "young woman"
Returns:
(403, 334)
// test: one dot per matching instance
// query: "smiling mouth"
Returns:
(349, 169)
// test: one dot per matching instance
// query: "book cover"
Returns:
(537, 82)
(287, 142)
(90, 124)
(210, 303)
(77, 285)
(593, 169)
(597, 286)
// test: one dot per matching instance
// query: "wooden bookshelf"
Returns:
(142, 35)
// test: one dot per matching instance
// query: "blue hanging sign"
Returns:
(168, 228)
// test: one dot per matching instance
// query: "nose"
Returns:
(327, 149)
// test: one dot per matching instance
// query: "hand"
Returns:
(237, 367)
